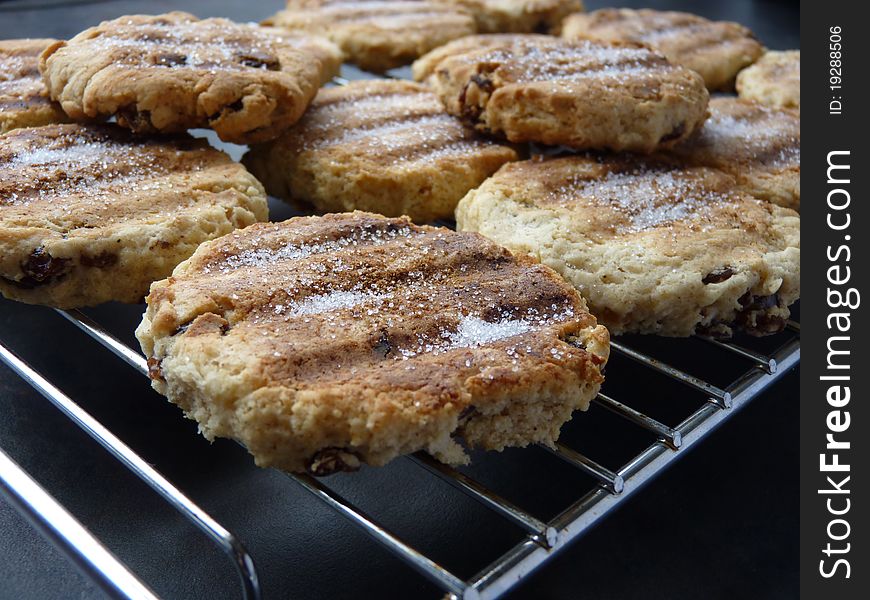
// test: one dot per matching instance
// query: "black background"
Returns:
(722, 523)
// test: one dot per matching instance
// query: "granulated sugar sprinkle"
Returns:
(83, 167)
(574, 61)
(260, 257)
(755, 137)
(648, 198)
(425, 297)
(190, 44)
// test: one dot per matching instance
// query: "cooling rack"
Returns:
(610, 484)
(542, 541)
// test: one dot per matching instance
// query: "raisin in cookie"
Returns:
(653, 247)
(324, 342)
(760, 146)
(518, 16)
(717, 50)
(382, 146)
(172, 72)
(581, 94)
(91, 213)
(24, 101)
(775, 80)
(377, 35)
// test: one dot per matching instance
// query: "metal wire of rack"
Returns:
(542, 541)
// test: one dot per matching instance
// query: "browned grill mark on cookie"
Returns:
(335, 130)
(632, 197)
(540, 61)
(183, 43)
(741, 136)
(396, 11)
(682, 32)
(383, 11)
(385, 146)
(716, 49)
(658, 24)
(378, 36)
(79, 164)
(384, 122)
(410, 289)
(23, 96)
(705, 37)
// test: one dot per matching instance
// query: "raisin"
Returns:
(718, 275)
(750, 302)
(182, 328)
(483, 83)
(576, 342)
(755, 319)
(41, 268)
(135, 119)
(169, 59)
(466, 414)
(768, 324)
(260, 60)
(676, 133)
(154, 370)
(333, 460)
(383, 346)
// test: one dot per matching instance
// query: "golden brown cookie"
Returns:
(774, 80)
(24, 101)
(717, 50)
(90, 213)
(760, 146)
(581, 94)
(654, 247)
(382, 146)
(518, 16)
(172, 72)
(324, 342)
(377, 35)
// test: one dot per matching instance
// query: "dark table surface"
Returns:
(722, 523)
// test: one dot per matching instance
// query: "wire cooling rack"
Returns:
(543, 538)
(542, 541)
